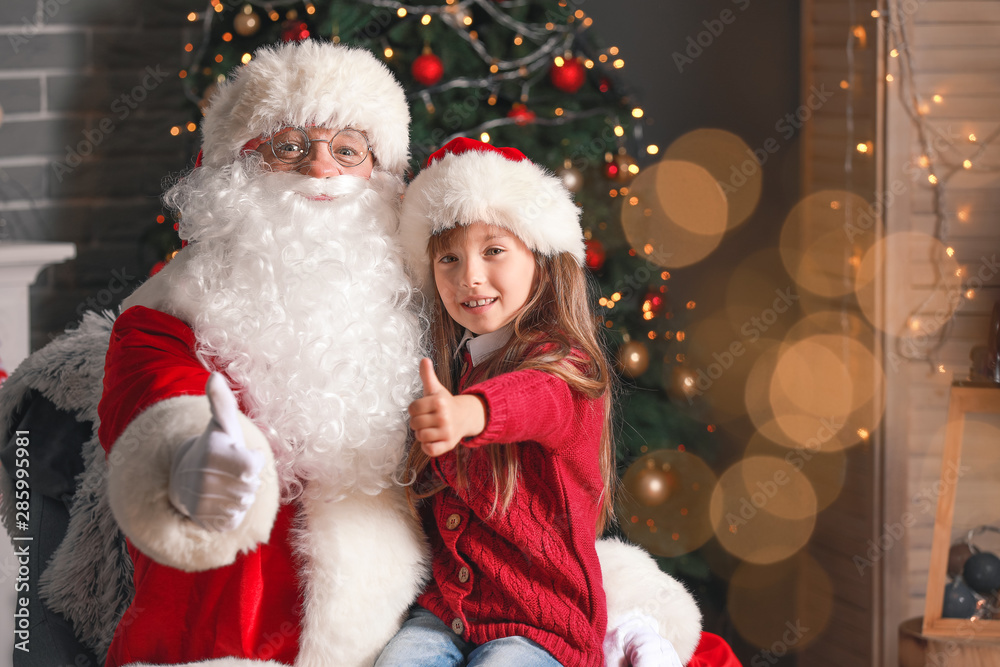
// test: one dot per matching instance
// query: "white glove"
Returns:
(214, 477)
(635, 642)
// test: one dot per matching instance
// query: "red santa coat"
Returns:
(243, 594)
(248, 609)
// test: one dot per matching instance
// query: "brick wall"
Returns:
(89, 91)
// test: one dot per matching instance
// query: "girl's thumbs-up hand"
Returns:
(440, 420)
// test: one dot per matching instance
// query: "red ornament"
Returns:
(521, 114)
(569, 76)
(604, 85)
(595, 254)
(294, 31)
(611, 170)
(427, 69)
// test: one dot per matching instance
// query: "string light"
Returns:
(425, 19)
(652, 149)
(401, 12)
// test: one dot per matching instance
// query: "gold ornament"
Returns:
(246, 22)
(650, 482)
(633, 358)
(570, 177)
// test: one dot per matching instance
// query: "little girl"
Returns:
(513, 460)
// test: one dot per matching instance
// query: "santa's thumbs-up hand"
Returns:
(440, 420)
(214, 477)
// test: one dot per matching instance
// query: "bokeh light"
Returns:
(924, 281)
(781, 607)
(719, 357)
(763, 510)
(823, 239)
(826, 471)
(675, 214)
(809, 384)
(760, 297)
(842, 334)
(730, 161)
(679, 523)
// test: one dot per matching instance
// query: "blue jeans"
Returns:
(425, 641)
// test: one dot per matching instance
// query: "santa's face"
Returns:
(319, 152)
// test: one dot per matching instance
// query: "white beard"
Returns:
(306, 307)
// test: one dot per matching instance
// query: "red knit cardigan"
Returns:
(532, 571)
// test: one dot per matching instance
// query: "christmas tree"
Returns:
(533, 75)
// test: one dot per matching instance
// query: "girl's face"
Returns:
(484, 277)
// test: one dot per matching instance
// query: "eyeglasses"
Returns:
(292, 145)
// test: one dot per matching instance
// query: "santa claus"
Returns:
(254, 400)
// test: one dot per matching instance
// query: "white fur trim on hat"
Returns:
(309, 83)
(485, 186)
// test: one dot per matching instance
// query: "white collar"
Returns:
(483, 346)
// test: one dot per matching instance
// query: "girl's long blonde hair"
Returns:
(555, 332)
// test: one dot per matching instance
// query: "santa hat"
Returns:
(470, 181)
(309, 83)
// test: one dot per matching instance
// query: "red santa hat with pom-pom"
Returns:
(470, 181)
